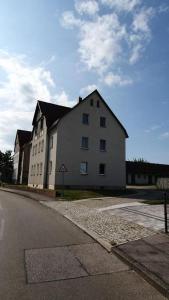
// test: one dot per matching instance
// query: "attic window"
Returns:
(41, 124)
(98, 103)
(91, 102)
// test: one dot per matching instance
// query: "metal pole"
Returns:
(165, 212)
(63, 184)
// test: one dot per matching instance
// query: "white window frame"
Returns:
(84, 168)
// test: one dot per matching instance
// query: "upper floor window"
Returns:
(36, 130)
(84, 168)
(37, 169)
(85, 142)
(39, 147)
(102, 145)
(51, 142)
(102, 122)
(35, 149)
(41, 168)
(98, 103)
(91, 102)
(85, 118)
(102, 169)
(42, 145)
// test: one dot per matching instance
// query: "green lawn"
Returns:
(84, 194)
(71, 195)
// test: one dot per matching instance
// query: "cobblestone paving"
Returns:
(111, 228)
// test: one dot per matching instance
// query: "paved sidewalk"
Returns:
(150, 256)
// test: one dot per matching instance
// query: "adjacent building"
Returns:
(144, 173)
(87, 141)
(21, 156)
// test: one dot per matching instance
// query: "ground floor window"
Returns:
(84, 168)
(102, 168)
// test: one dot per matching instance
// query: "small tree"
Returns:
(6, 166)
(140, 160)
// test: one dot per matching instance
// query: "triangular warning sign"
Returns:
(63, 168)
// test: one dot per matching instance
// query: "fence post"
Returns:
(165, 212)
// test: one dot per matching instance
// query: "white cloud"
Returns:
(163, 8)
(88, 89)
(165, 135)
(89, 7)
(142, 19)
(63, 99)
(107, 41)
(69, 20)
(122, 5)
(140, 34)
(153, 128)
(22, 87)
(117, 80)
(100, 39)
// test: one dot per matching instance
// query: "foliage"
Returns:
(140, 160)
(6, 166)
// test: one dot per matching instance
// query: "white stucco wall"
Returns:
(69, 133)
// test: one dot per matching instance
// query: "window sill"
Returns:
(103, 151)
(84, 148)
(83, 173)
(101, 174)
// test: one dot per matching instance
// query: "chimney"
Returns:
(80, 99)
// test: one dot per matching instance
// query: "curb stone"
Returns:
(150, 277)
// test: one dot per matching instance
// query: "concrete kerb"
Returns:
(150, 277)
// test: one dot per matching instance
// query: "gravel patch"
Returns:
(111, 228)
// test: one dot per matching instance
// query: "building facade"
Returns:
(21, 156)
(87, 139)
(143, 173)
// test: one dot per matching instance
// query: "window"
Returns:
(31, 170)
(50, 167)
(37, 169)
(91, 102)
(39, 147)
(84, 142)
(51, 142)
(34, 170)
(102, 168)
(42, 145)
(41, 124)
(84, 168)
(35, 149)
(102, 122)
(98, 103)
(36, 130)
(85, 119)
(41, 168)
(102, 145)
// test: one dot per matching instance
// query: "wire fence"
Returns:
(166, 212)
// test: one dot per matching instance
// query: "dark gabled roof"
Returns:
(24, 136)
(147, 168)
(52, 112)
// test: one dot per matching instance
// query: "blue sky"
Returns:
(58, 50)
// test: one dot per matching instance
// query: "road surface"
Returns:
(43, 256)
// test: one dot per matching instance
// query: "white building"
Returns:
(88, 139)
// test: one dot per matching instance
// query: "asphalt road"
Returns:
(44, 256)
